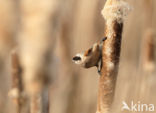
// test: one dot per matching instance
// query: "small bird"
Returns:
(91, 57)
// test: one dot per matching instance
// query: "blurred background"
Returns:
(63, 28)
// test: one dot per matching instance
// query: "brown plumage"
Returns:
(91, 57)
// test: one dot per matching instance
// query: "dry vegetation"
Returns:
(40, 77)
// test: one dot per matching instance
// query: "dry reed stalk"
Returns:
(67, 76)
(147, 57)
(147, 65)
(70, 84)
(148, 51)
(7, 33)
(148, 42)
(148, 9)
(7, 27)
(16, 92)
(35, 44)
(113, 12)
(39, 103)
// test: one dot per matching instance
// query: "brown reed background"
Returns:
(74, 26)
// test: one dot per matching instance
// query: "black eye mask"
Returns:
(76, 58)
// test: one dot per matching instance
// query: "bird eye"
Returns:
(104, 38)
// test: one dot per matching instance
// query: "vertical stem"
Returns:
(39, 103)
(36, 40)
(148, 51)
(35, 104)
(109, 70)
(45, 100)
(17, 86)
(113, 12)
(148, 9)
(147, 47)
